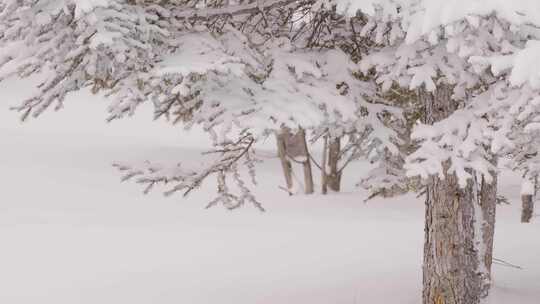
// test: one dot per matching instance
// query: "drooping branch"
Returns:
(231, 155)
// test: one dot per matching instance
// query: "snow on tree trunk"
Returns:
(488, 203)
(293, 147)
(285, 163)
(334, 175)
(306, 163)
(459, 226)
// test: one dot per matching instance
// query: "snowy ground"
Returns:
(71, 233)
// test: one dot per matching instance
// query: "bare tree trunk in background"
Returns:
(527, 200)
(324, 176)
(306, 163)
(458, 228)
(527, 208)
(291, 147)
(334, 176)
(282, 153)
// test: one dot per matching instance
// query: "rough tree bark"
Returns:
(459, 226)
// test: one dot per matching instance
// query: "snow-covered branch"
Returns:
(230, 157)
(233, 10)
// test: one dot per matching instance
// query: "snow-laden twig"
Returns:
(230, 156)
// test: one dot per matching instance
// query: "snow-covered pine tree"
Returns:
(518, 111)
(241, 70)
(442, 50)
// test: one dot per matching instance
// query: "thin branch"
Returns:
(233, 10)
(505, 263)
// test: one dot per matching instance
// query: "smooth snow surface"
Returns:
(71, 233)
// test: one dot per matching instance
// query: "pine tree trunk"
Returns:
(308, 175)
(334, 176)
(286, 165)
(324, 175)
(488, 204)
(459, 226)
(527, 200)
(527, 208)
